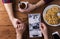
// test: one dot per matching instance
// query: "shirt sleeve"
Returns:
(47, 1)
(7, 1)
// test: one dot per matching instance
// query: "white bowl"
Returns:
(44, 13)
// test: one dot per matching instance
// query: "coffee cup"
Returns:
(23, 5)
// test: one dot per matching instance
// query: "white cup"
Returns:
(23, 7)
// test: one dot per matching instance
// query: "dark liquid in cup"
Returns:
(22, 6)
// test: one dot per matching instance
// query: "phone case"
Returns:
(56, 35)
(34, 22)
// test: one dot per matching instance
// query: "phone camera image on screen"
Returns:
(34, 23)
(35, 27)
(35, 35)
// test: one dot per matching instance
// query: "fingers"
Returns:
(43, 26)
(18, 22)
(20, 27)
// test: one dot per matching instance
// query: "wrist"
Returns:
(36, 6)
(40, 3)
(19, 33)
(46, 36)
(19, 36)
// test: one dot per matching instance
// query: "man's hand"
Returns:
(30, 8)
(18, 25)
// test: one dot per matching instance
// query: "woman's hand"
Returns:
(18, 25)
(30, 8)
(43, 29)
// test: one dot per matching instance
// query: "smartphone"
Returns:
(34, 23)
(56, 35)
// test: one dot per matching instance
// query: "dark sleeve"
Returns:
(47, 1)
(7, 1)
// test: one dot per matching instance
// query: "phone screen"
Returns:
(56, 36)
(34, 23)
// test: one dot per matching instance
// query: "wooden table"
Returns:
(6, 28)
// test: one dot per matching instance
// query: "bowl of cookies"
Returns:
(51, 15)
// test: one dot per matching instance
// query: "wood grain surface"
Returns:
(7, 30)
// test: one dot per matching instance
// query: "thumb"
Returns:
(42, 26)
(19, 22)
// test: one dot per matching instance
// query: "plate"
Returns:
(45, 11)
